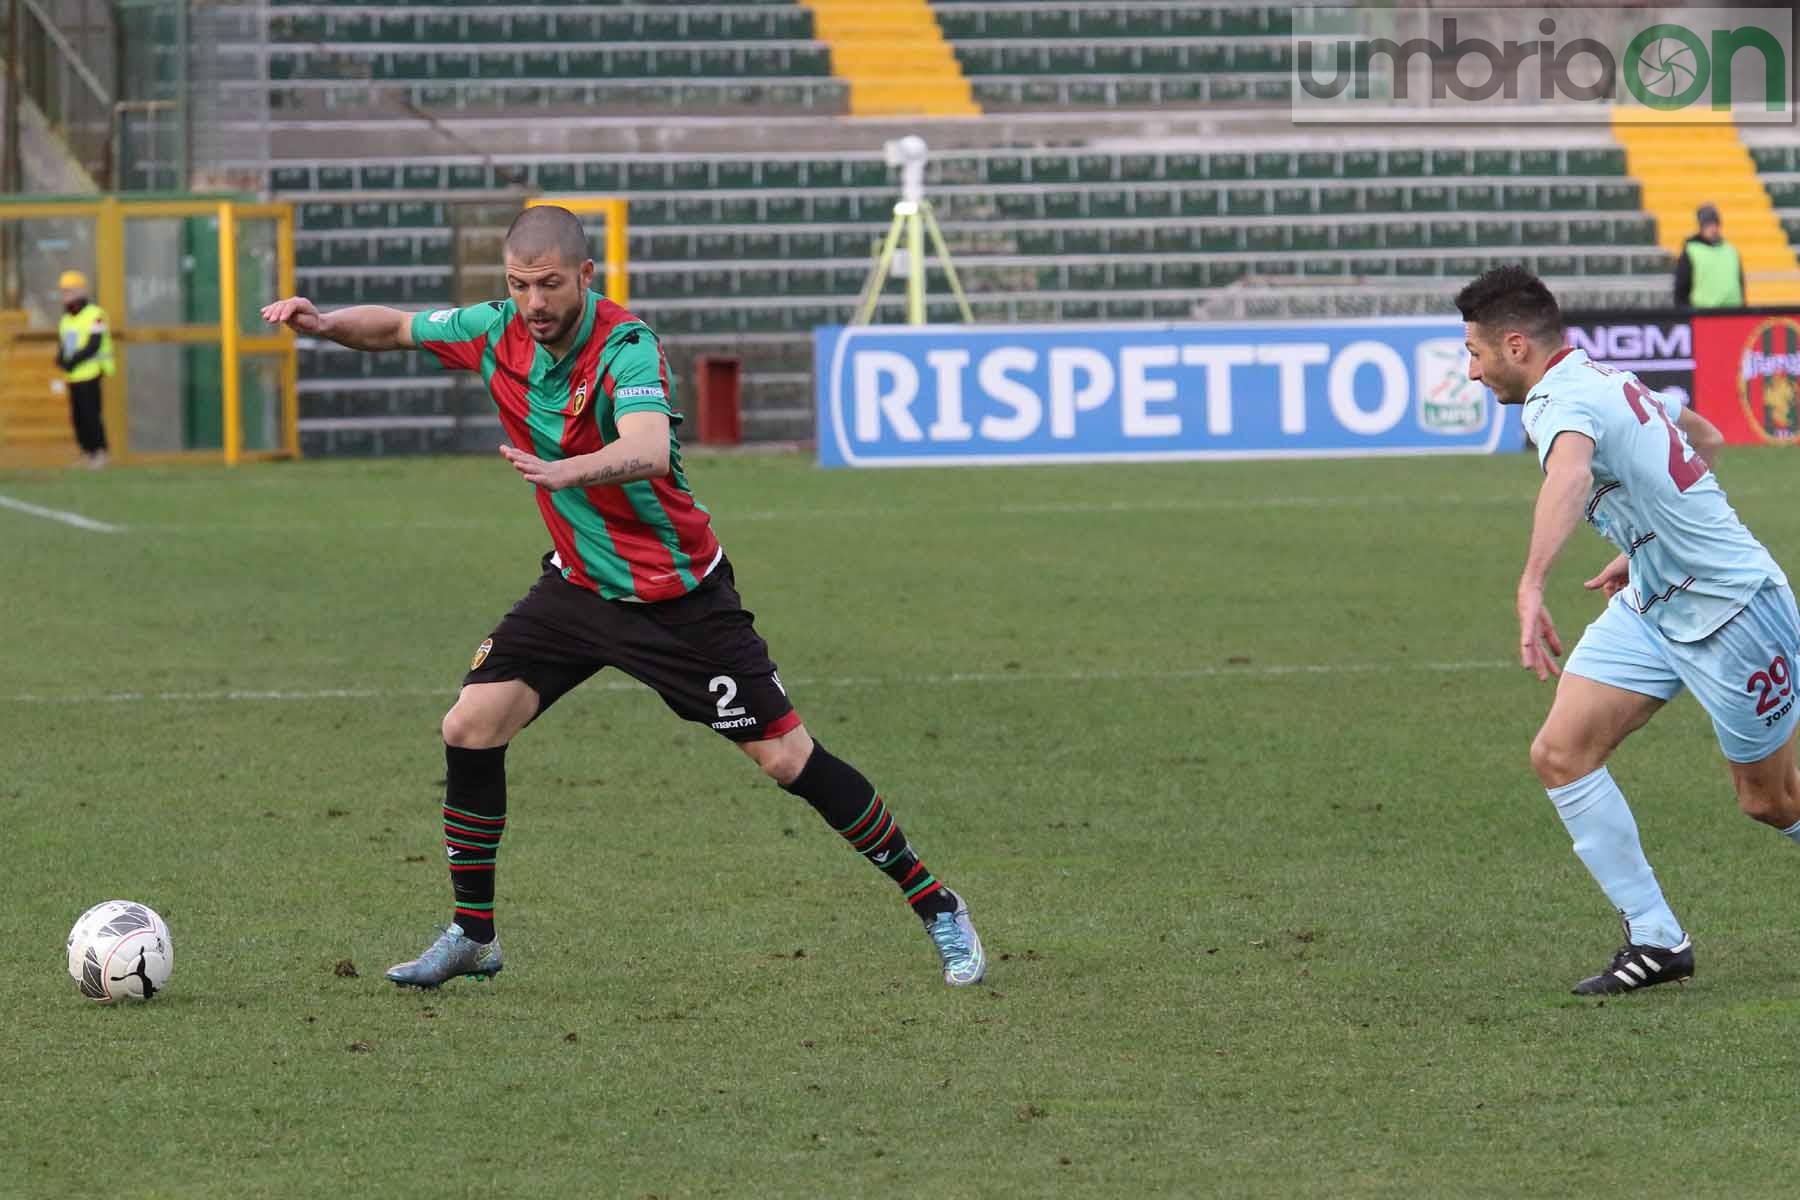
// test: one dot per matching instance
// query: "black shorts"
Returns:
(700, 652)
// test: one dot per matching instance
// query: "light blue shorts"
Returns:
(1742, 674)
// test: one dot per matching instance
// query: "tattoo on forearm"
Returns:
(637, 468)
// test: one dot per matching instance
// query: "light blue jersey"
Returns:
(1693, 564)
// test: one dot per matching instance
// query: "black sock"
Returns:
(474, 819)
(850, 805)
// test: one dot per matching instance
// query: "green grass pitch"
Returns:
(1229, 758)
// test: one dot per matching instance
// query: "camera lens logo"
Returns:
(1668, 68)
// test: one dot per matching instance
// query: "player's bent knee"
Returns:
(487, 721)
(1557, 763)
(783, 758)
(1771, 806)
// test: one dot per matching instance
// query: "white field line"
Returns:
(953, 679)
(57, 514)
(728, 517)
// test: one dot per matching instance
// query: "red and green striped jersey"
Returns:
(648, 540)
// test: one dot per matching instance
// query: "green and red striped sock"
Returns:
(474, 821)
(851, 806)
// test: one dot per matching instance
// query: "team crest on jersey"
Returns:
(1768, 379)
(481, 653)
(581, 391)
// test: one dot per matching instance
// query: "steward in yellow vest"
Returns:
(84, 351)
(1709, 273)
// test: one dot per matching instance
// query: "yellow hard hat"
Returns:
(74, 280)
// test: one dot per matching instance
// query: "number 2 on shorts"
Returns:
(726, 687)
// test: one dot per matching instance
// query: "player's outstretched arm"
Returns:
(361, 327)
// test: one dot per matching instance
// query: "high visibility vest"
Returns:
(1717, 276)
(74, 331)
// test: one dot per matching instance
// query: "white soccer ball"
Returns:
(120, 949)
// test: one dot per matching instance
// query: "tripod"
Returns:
(913, 215)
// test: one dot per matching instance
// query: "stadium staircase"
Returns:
(34, 421)
(1683, 165)
(894, 56)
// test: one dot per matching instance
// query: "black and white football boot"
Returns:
(1635, 967)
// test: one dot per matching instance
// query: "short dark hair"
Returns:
(1511, 298)
(546, 229)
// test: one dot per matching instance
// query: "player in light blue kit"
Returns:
(1694, 601)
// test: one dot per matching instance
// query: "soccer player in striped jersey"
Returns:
(635, 579)
(1693, 600)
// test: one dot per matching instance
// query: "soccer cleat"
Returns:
(451, 955)
(958, 945)
(1636, 967)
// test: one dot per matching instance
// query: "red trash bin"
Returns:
(716, 396)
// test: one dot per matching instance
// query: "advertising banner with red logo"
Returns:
(1746, 372)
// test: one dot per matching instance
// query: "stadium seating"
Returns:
(746, 249)
(615, 58)
(750, 253)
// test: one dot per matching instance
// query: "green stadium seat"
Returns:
(1093, 168)
(1609, 160)
(290, 179)
(1085, 240)
(1317, 164)
(1357, 235)
(1246, 202)
(1449, 162)
(1063, 205)
(1340, 199)
(1276, 165)
(1613, 196)
(1361, 164)
(1228, 166)
(409, 214)
(1404, 164)
(1606, 263)
(1477, 197)
(1407, 236)
(601, 177)
(1429, 198)
(1569, 197)
(1134, 276)
(1129, 240)
(1495, 162)
(1157, 202)
(1540, 162)
(1201, 202)
(829, 210)
(1292, 201)
(1217, 239)
(1175, 239)
(782, 209)
(1771, 159)
(1584, 231)
(746, 210)
(313, 216)
(1784, 192)
(1266, 239)
(1184, 166)
(1384, 197)
(1440, 234)
(1525, 198)
(335, 178)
